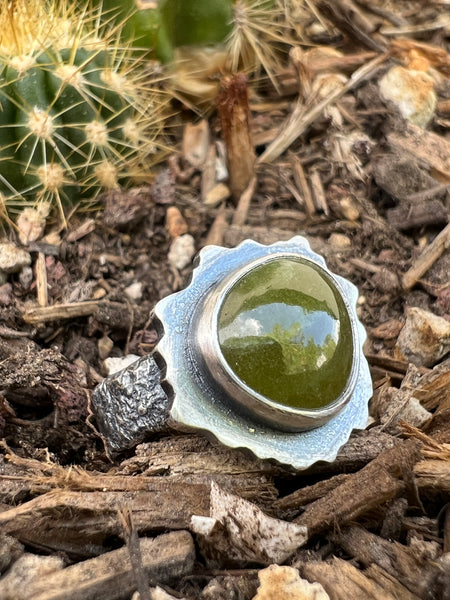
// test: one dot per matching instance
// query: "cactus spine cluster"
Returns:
(76, 111)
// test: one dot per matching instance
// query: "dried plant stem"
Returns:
(234, 114)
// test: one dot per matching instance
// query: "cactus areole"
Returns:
(72, 119)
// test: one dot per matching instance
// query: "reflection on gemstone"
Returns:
(284, 330)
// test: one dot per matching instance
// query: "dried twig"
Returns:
(428, 257)
(42, 314)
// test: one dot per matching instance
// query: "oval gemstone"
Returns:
(284, 331)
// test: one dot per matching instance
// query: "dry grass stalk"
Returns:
(42, 314)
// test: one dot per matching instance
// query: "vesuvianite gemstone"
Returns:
(284, 330)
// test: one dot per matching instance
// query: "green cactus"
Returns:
(76, 114)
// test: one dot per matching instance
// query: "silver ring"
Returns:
(207, 394)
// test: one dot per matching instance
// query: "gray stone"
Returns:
(130, 404)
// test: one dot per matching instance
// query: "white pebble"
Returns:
(114, 364)
(181, 251)
(134, 291)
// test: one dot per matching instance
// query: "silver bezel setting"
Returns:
(207, 345)
(198, 402)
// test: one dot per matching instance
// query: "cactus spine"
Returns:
(76, 114)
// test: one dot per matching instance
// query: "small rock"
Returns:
(117, 363)
(26, 277)
(425, 337)
(285, 583)
(339, 241)
(104, 345)
(412, 92)
(175, 222)
(6, 294)
(28, 568)
(13, 258)
(388, 330)
(31, 223)
(181, 251)
(217, 194)
(134, 291)
(196, 143)
(349, 208)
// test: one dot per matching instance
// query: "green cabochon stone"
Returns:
(284, 330)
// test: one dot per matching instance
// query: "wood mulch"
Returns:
(371, 193)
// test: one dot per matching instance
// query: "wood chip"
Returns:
(408, 216)
(419, 576)
(434, 474)
(209, 172)
(378, 482)
(240, 214)
(164, 559)
(343, 581)
(318, 192)
(96, 512)
(310, 493)
(42, 314)
(240, 531)
(300, 181)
